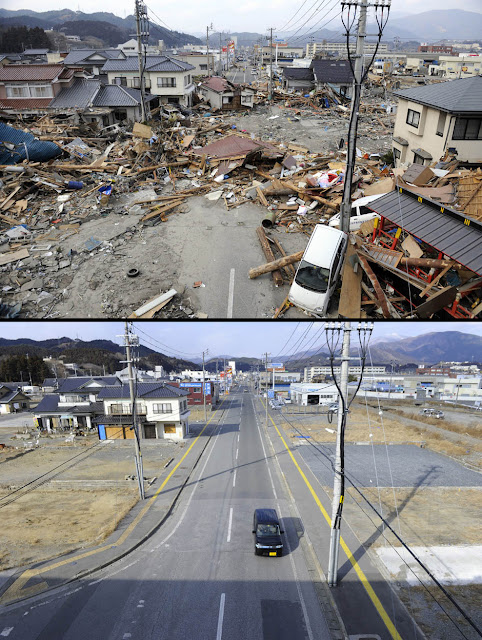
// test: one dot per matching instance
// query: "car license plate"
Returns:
(272, 553)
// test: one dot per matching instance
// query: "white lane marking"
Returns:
(231, 294)
(266, 458)
(126, 635)
(238, 438)
(237, 451)
(7, 630)
(219, 633)
(234, 478)
(230, 523)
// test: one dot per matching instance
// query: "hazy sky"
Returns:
(189, 339)
(192, 16)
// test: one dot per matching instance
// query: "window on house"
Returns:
(396, 153)
(441, 123)
(413, 118)
(166, 82)
(162, 408)
(41, 90)
(467, 129)
(203, 67)
(118, 409)
(17, 91)
(418, 159)
(120, 80)
(187, 80)
(136, 82)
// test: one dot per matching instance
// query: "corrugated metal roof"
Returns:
(218, 84)
(455, 96)
(24, 72)
(444, 229)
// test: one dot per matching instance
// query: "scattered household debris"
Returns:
(59, 176)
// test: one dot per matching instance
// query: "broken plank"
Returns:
(161, 210)
(275, 264)
(262, 197)
(6, 258)
(276, 274)
(381, 297)
(278, 245)
(154, 302)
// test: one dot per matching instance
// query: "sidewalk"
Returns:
(141, 523)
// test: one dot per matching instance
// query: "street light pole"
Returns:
(267, 382)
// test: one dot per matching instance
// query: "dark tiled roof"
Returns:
(113, 95)
(144, 390)
(445, 231)
(79, 96)
(36, 52)
(455, 96)
(298, 73)
(334, 71)
(68, 385)
(82, 55)
(9, 397)
(50, 402)
(153, 63)
(25, 72)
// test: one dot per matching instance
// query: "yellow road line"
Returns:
(16, 590)
(363, 579)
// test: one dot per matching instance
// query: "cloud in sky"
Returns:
(250, 339)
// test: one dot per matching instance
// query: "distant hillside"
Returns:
(110, 34)
(95, 352)
(442, 23)
(52, 19)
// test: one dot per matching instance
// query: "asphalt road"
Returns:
(197, 577)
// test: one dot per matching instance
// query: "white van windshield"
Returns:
(313, 278)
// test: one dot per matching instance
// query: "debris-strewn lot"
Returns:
(206, 214)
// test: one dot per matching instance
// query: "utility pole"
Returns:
(345, 209)
(207, 45)
(141, 14)
(130, 339)
(220, 55)
(339, 471)
(270, 93)
(267, 381)
(204, 388)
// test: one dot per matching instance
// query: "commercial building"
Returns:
(325, 370)
(340, 48)
(304, 394)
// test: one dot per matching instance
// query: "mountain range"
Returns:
(427, 26)
(429, 348)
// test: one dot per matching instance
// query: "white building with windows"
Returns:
(162, 412)
(304, 394)
(436, 118)
(166, 77)
(325, 370)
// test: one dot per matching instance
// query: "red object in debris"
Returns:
(197, 284)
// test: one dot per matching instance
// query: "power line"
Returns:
(327, 10)
(137, 327)
(301, 18)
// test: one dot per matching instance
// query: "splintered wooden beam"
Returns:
(159, 211)
(276, 273)
(381, 297)
(275, 264)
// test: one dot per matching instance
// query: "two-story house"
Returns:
(31, 88)
(168, 78)
(436, 118)
(226, 95)
(162, 412)
(12, 399)
(74, 403)
(335, 73)
(92, 60)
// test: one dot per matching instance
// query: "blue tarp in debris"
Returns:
(16, 146)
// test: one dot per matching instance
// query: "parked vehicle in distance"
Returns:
(359, 214)
(333, 407)
(433, 413)
(267, 533)
(318, 272)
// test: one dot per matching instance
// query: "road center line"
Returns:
(234, 478)
(6, 632)
(237, 451)
(219, 633)
(231, 294)
(230, 523)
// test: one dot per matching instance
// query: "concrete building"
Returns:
(199, 60)
(313, 372)
(437, 118)
(195, 391)
(340, 49)
(460, 388)
(456, 67)
(304, 394)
